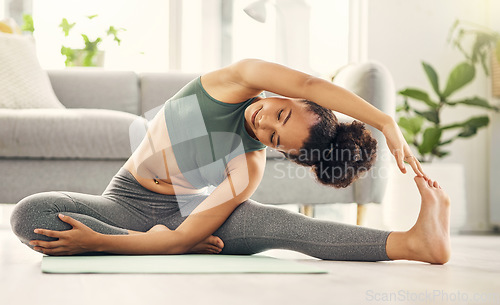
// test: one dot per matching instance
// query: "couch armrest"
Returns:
(96, 88)
(371, 81)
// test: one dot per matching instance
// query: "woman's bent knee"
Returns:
(36, 211)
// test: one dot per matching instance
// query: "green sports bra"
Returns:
(206, 133)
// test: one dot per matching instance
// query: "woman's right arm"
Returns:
(244, 175)
(148, 243)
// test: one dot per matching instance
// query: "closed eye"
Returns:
(279, 114)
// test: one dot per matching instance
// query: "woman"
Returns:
(213, 132)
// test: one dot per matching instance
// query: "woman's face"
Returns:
(280, 123)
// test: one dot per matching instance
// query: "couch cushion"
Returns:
(157, 88)
(97, 89)
(23, 83)
(65, 133)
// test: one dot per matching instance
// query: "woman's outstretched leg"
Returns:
(254, 227)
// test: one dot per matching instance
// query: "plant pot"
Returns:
(97, 60)
(402, 204)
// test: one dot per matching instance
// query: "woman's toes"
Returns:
(421, 184)
(219, 243)
(216, 241)
(436, 185)
(430, 182)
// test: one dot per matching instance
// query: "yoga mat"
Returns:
(186, 263)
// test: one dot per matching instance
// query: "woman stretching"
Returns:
(214, 131)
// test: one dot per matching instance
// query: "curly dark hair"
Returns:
(337, 152)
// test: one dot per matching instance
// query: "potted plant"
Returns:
(28, 24)
(420, 120)
(90, 55)
(486, 44)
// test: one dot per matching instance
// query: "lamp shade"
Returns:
(257, 10)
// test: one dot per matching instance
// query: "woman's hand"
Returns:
(210, 245)
(400, 149)
(79, 239)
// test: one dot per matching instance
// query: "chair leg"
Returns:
(307, 210)
(360, 214)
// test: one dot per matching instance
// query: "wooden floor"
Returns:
(471, 277)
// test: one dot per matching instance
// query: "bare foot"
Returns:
(210, 245)
(429, 238)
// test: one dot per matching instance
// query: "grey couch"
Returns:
(80, 148)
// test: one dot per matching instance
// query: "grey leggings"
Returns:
(253, 227)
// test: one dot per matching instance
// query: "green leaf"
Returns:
(470, 127)
(66, 26)
(412, 125)
(478, 122)
(70, 55)
(419, 95)
(92, 16)
(91, 46)
(112, 31)
(409, 138)
(430, 140)
(467, 132)
(451, 126)
(400, 108)
(441, 153)
(28, 23)
(431, 115)
(446, 142)
(460, 76)
(404, 106)
(432, 76)
(475, 122)
(475, 101)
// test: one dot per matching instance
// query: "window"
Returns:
(252, 39)
(329, 40)
(2, 9)
(307, 35)
(144, 45)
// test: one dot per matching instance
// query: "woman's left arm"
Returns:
(262, 75)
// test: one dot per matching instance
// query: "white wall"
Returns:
(403, 33)
(2, 9)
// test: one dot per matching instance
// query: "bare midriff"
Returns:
(153, 163)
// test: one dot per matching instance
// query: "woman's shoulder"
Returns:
(226, 85)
